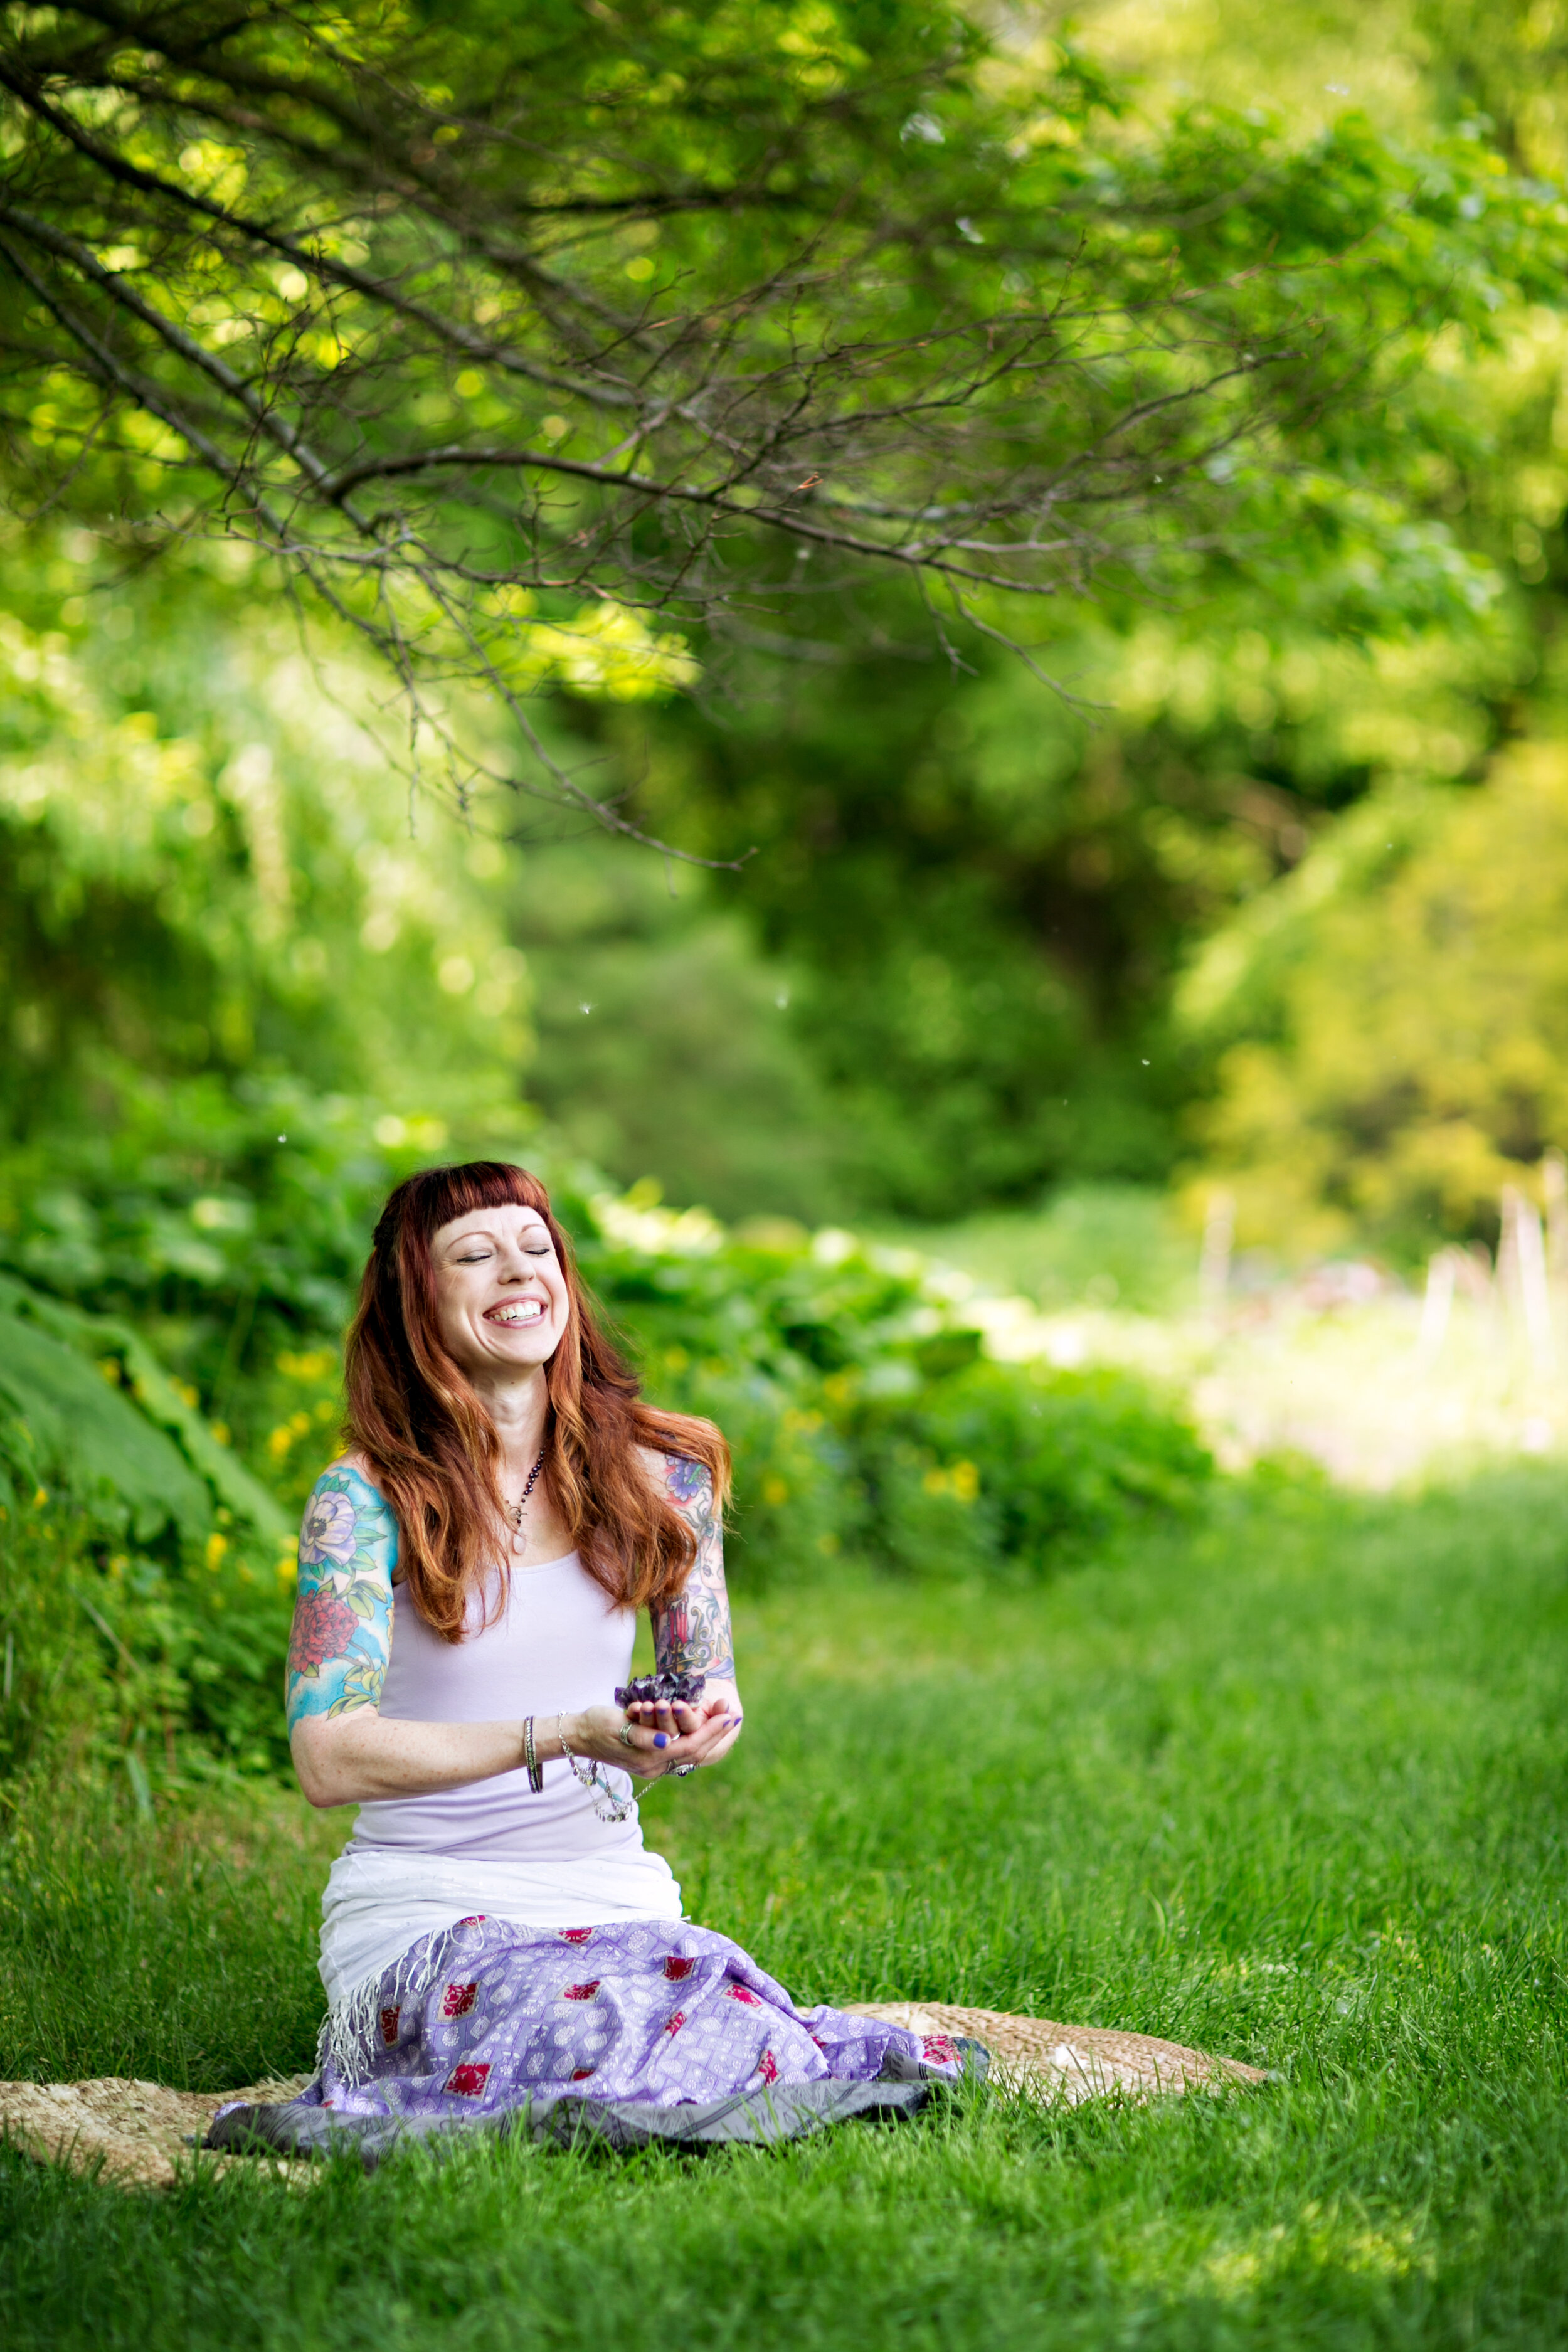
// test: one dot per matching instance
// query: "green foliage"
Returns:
(146, 1577)
(1160, 346)
(203, 875)
(1395, 1025)
(66, 1423)
(861, 1417)
(973, 898)
(999, 1471)
(147, 1668)
(1093, 1245)
(665, 1045)
(241, 997)
(113, 1452)
(982, 899)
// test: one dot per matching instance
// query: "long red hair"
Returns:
(433, 1448)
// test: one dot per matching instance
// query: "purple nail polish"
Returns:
(660, 1740)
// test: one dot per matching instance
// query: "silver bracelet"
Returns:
(606, 1804)
(531, 1756)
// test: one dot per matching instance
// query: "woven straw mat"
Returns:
(1068, 2063)
(140, 2132)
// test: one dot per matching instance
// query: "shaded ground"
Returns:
(1288, 1786)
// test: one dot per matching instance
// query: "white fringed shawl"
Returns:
(381, 1901)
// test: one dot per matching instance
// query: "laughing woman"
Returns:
(497, 1942)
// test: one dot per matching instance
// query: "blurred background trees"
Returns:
(1225, 852)
(986, 936)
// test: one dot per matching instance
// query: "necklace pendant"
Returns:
(514, 1510)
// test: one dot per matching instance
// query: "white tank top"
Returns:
(558, 1643)
(416, 1865)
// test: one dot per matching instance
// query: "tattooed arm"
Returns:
(691, 1633)
(338, 1651)
(340, 1642)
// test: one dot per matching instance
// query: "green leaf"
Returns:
(90, 1436)
(163, 1413)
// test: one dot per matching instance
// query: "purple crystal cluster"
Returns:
(661, 1690)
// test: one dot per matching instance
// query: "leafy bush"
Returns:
(1007, 1469)
(142, 1599)
(863, 1415)
(91, 1407)
(153, 1664)
(146, 1579)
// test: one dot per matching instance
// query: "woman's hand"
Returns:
(659, 1737)
(715, 1722)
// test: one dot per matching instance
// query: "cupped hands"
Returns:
(650, 1737)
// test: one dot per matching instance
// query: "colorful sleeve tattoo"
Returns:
(692, 1633)
(341, 1639)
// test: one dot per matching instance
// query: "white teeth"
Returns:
(522, 1310)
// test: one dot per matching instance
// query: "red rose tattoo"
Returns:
(324, 1628)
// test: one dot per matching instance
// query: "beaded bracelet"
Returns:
(613, 1808)
(531, 1756)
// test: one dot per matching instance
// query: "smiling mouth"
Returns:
(514, 1311)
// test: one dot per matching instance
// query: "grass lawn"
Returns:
(1289, 1785)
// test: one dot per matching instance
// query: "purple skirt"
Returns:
(642, 2030)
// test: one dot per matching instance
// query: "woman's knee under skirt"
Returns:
(638, 2031)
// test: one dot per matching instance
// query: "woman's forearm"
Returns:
(354, 1758)
(692, 1631)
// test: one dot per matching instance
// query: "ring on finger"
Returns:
(625, 1734)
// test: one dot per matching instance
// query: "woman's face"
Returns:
(502, 1302)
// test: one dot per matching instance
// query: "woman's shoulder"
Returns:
(349, 1524)
(685, 1457)
(355, 1472)
(679, 1477)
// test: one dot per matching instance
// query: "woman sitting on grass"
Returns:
(495, 1932)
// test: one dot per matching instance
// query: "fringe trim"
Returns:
(350, 2040)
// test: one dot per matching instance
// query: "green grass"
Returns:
(1290, 1785)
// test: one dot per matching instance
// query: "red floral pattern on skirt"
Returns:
(540, 2031)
